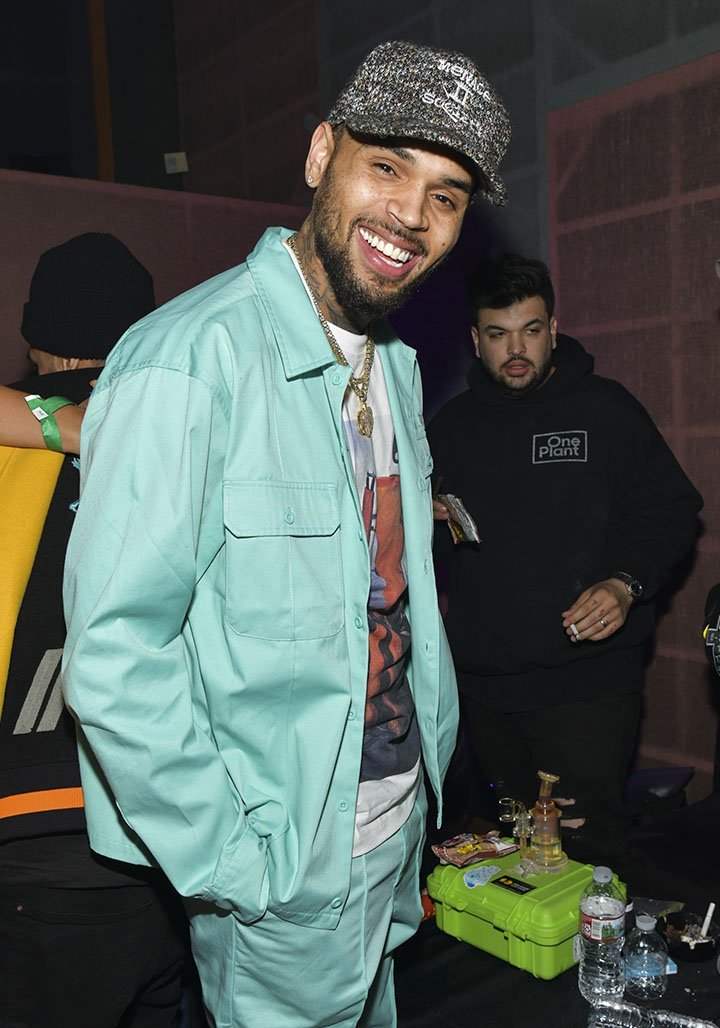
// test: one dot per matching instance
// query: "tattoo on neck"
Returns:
(318, 282)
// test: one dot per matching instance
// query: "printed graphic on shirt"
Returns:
(391, 742)
(558, 447)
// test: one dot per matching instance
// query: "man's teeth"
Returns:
(385, 248)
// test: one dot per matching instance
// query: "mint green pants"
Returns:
(274, 974)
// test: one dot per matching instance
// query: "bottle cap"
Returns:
(602, 874)
(645, 923)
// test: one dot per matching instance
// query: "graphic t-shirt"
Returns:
(390, 770)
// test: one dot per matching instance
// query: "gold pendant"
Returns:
(365, 420)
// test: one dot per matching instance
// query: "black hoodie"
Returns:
(568, 484)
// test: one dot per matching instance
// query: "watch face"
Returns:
(632, 585)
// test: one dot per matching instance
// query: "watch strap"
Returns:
(633, 586)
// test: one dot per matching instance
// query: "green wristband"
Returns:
(44, 411)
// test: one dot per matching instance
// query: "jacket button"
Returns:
(337, 902)
(337, 378)
(358, 622)
(351, 715)
(289, 516)
(342, 806)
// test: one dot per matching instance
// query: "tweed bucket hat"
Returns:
(419, 92)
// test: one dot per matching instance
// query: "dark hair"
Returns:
(499, 282)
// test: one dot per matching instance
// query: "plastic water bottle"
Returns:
(645, 956)
(618, 1013)
(602, 926)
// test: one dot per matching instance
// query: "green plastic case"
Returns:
(530, 922)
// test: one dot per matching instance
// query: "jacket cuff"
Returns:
(240, 882)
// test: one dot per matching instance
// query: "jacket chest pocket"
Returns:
(283, 571)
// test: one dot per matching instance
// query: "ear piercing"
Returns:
(309, 180)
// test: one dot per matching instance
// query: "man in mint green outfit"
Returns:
(255, 656)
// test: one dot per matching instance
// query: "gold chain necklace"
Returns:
(358, 384)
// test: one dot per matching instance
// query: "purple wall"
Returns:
(182, 238)
(634, 182)
(247, 77)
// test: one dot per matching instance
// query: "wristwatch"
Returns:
(634, 588)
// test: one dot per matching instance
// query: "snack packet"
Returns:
(468, 847)
(462, 527)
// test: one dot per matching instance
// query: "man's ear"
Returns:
(476, 340)
(322, 145)
(553, 331)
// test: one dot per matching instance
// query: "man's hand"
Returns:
(598, 612)
(83, 403)
(440, 511)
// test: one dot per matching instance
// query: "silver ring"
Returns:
(603, 622)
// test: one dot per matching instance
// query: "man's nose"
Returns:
(516, 344)
(409, 208)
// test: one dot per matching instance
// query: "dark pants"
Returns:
(89, 958)
(589, 744)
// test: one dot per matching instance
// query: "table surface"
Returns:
(444, 983)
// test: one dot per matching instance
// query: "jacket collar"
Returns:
(298, 333)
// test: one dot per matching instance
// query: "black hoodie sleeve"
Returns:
(656, 504)
(440, 435)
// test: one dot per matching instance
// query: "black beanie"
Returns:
(83, 296)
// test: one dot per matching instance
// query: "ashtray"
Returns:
(682, 934)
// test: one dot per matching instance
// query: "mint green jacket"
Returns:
(216, 591)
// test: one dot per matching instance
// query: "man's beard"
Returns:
(362, 301)
(540, 375)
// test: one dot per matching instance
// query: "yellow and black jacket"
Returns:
(40, 790)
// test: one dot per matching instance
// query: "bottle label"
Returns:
(602, 929)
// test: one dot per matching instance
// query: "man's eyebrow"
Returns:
(464, 185)
(504, 328)
(402, 153)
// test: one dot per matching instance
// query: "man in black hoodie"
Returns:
(581, 510)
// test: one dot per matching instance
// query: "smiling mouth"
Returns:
(393, 255)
